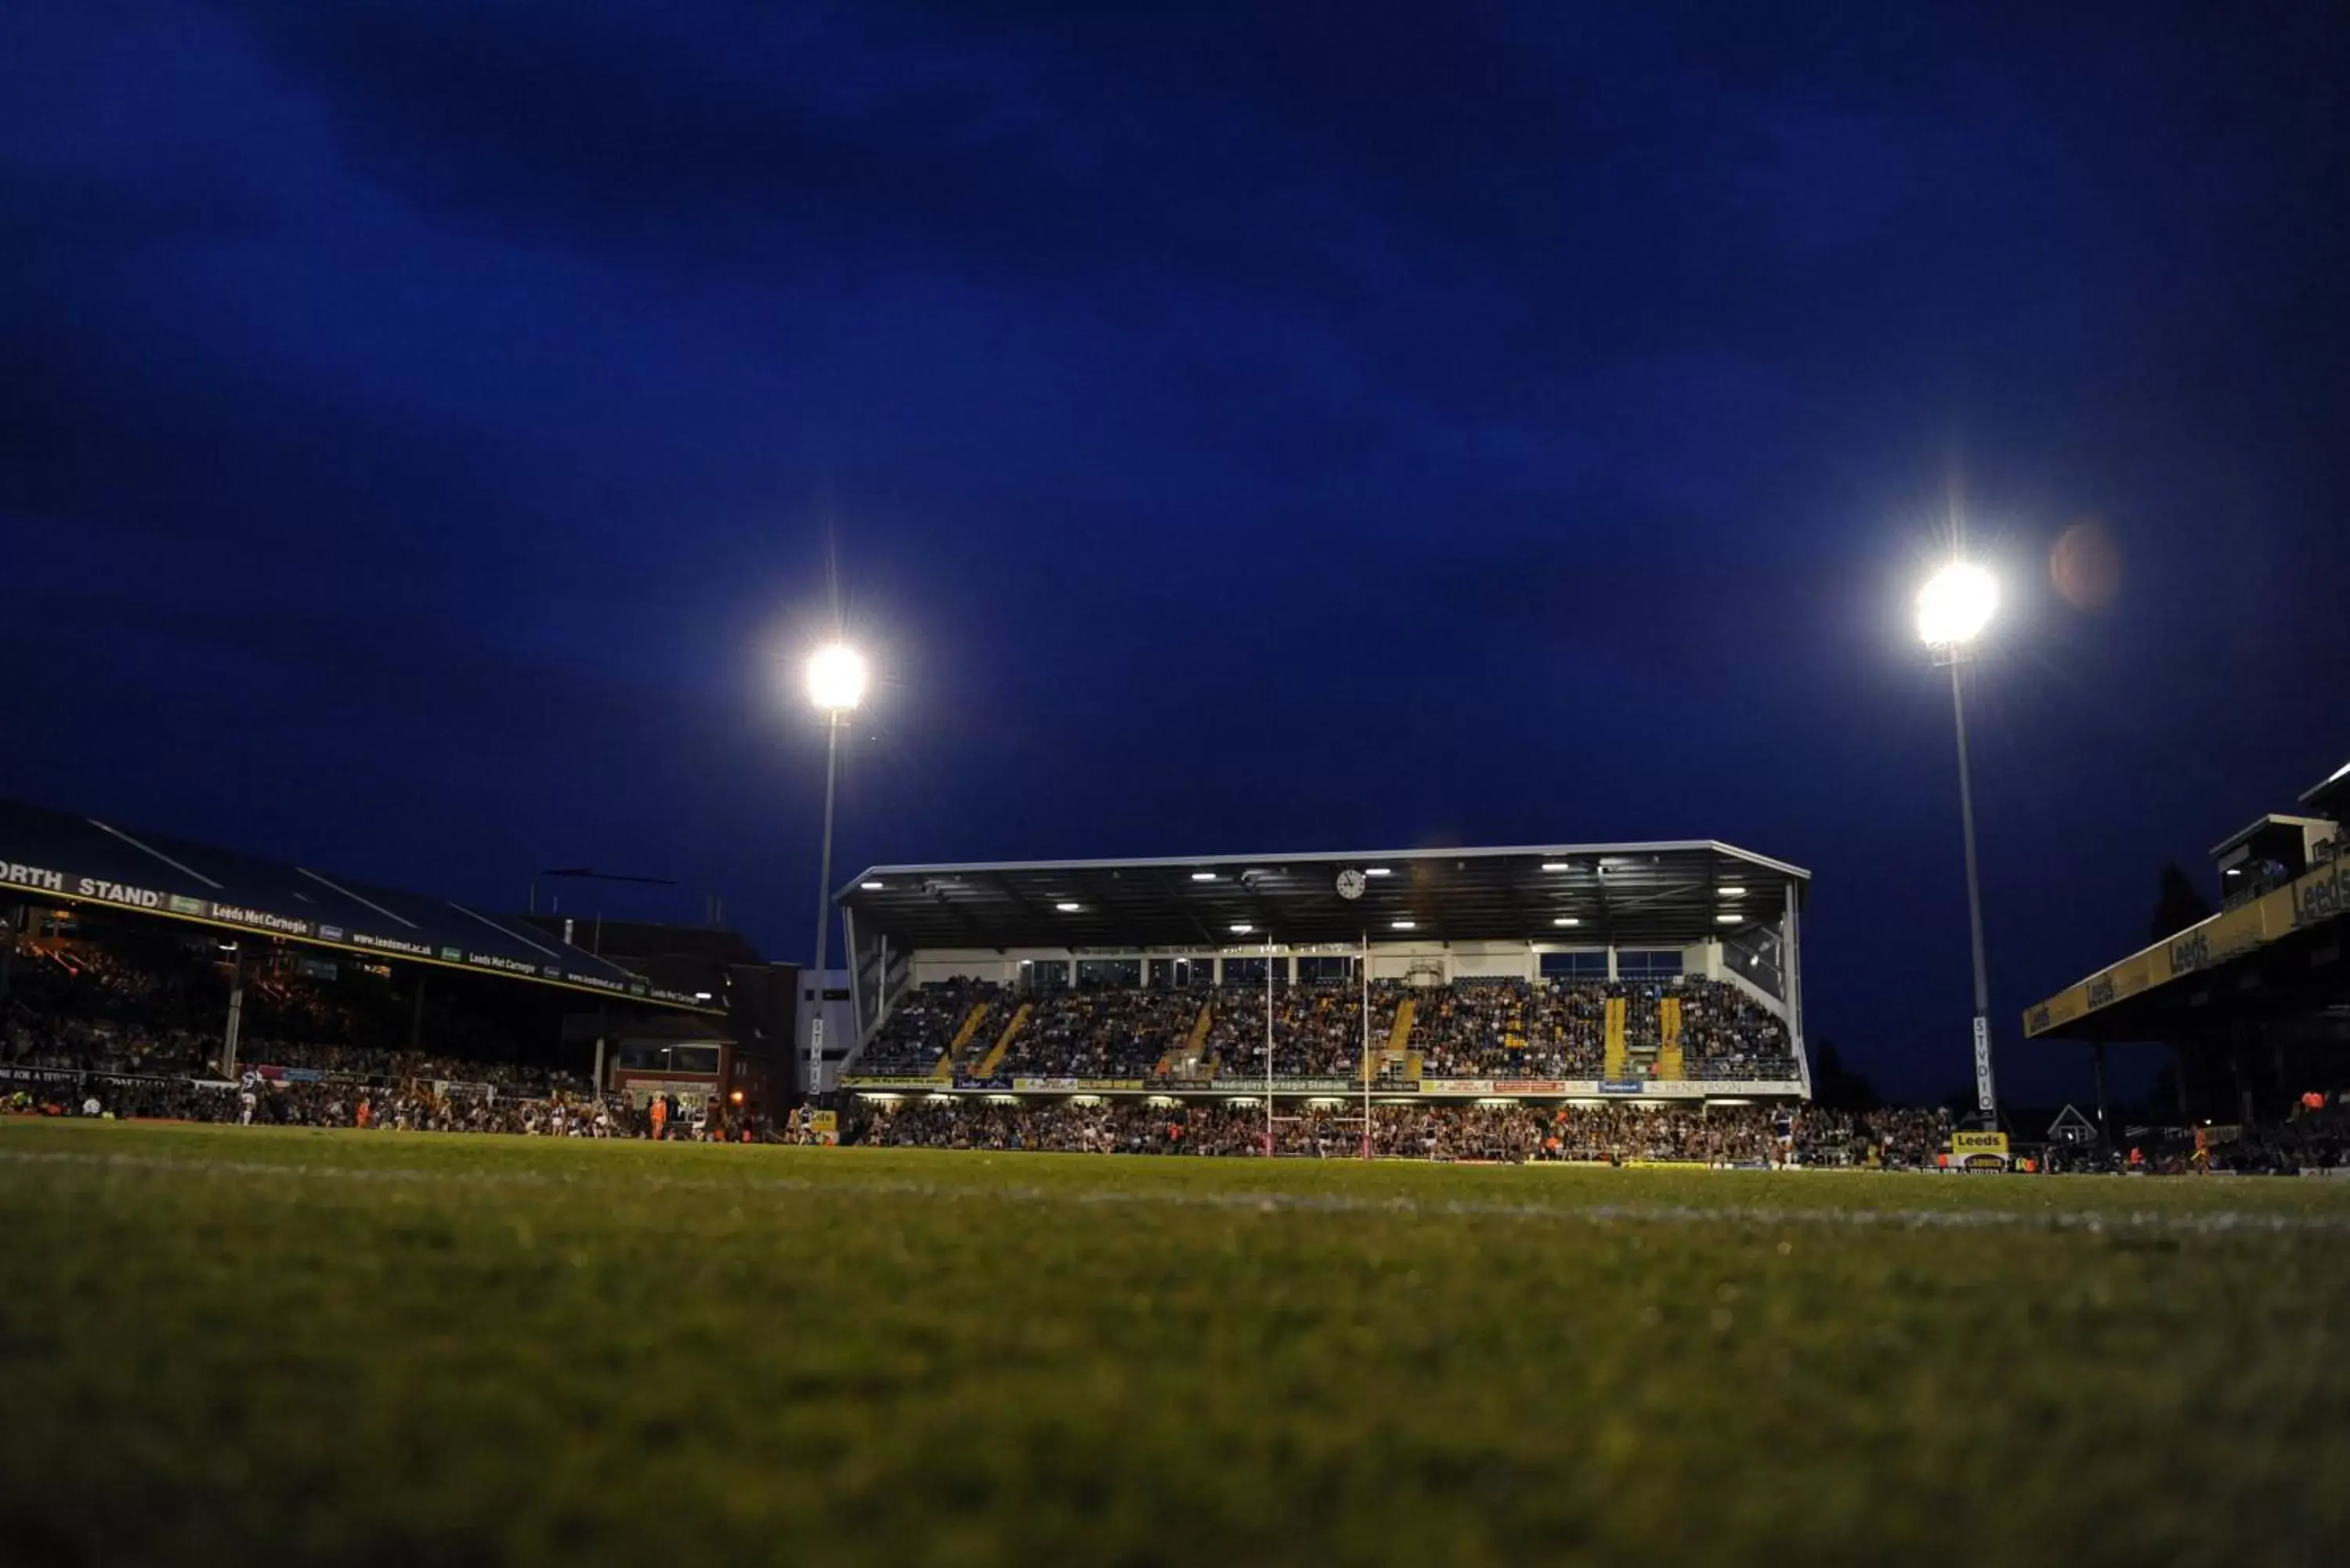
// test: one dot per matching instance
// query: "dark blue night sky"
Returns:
(426, 427)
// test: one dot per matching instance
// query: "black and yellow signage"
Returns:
(2322, 895)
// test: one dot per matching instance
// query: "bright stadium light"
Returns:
(1378, 871)
(1730, 892)
(1956, 604)
(1242, 927)
(836, 684)
(1403, 925)
(871, 887)
(1067, 907)
(836, 678)
(1557, 865)
(1953, 607)
(1567, 920)
(1203, 876)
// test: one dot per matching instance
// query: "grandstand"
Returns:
(53, 856)
(1653, 973)
(157, 974)
(2255, 999)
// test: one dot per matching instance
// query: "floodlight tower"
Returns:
(836, 684)
(1953, 607)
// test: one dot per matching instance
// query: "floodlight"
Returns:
(1956, 604)
(836, 678)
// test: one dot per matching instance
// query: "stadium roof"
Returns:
(1626, 895)
(2331, 795)
(61, 858)
(2278, 954)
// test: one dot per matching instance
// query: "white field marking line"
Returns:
(2090, 1222)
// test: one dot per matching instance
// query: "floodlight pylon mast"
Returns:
(1986, 1084)
(1269, 1144)
(1366, 1045)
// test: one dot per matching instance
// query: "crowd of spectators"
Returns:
(1101, 1033)
(1610, 1134)
(79, 1008)
(1726, 1034)
(1125, 1127)
(256, 1101)
(1318, 1030)
(2311, 1141)
(1506, 1028)
(922, 1028)
(88, 1009)
(382, 1064)
(87, 1032)
(1480, 1028)
(2312, 1138)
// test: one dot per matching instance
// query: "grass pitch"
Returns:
(274, 1346)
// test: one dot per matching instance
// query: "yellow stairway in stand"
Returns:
(1400, 1037)
(1195, 1042)
(1003, 1041)
(1668, 1037)
(944, 1071)
(1619, 1061)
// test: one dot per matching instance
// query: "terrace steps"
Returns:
(1400, 1035)
(946, 1070)
(1669, 1038)
(1186, 1054)
(994, 1058)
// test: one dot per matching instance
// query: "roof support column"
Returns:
(856, 961)
(235, 1027)
(2236, 1072)
(1791, 985)
(2098, 1061)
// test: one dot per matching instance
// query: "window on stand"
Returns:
(1044, 978)
(1106, 973)
(1636, 963)
(1181, 974)
(1579, 966)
